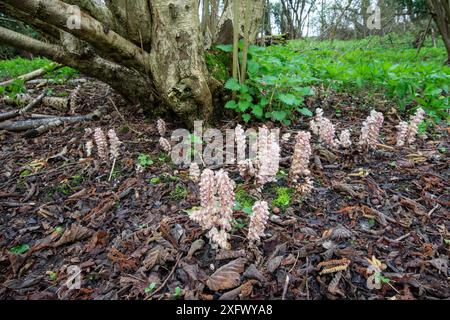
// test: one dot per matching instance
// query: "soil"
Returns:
(131, 237)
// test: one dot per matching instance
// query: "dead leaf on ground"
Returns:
(227, 276)
(73, 233)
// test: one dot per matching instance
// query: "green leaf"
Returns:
(279, 115)
(289, 99)
(246, 117)
(232, 84)
(258, 111)
(231, 105)
(150, 287)
(243, 105)
(306, 112)
(20, 249)
(225, 47)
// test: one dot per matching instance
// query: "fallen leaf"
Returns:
(73, 233)
(227, 276)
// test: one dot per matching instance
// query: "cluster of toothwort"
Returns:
(258, 221)
(300, 162)
(161, 126)
(370, 131)
(266, 164)
(217, 202)
(325, 129)
(407, 132)
(103, 152)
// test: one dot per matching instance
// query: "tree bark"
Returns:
(224, 31)
(440, 10)
(151, 52)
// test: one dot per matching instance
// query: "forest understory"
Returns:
(132, 238)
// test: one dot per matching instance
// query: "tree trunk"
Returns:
(440, 9)
(149, 51)
(224, 31)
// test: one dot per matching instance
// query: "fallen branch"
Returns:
(45, 123)
(16, 113)
(32, 75)
(57, 103)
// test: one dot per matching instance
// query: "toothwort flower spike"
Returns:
(402, 133)
(194, 172)
(264, 143)
(162, 127)
(207, 188)
(414, 125)
(274, 157)
(370, 131)
(240, 138)
(225, 191)
(114, 144)
(301, 156)
(165, 144)
(102, 145)
(258, 221)
(89, 146)
(344, 139)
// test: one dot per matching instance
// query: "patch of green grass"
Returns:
(16, 67)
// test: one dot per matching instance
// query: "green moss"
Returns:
(179, 193)
(217, 63)
(244, 201)
(284, 197)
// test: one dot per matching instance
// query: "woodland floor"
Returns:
(133, 240)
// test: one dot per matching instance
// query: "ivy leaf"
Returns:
(232, 84)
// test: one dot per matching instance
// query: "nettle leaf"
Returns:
(279, 115)
(225, 47)
(233, 85)
(246, 117)
(243, 105)
(258, 111)
(264, 101)
(304, 91)
(289, 99)
(305, 111)
(231, 105)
